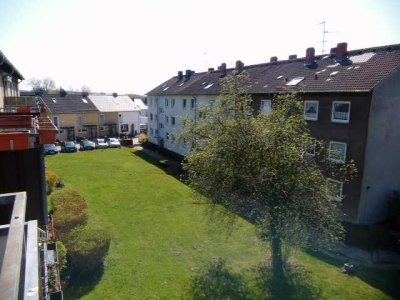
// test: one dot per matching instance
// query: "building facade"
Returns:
(349, 101)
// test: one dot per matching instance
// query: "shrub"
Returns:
(87, 247)
(143, 139)
(70, 210)
(60, 183)
(60, 197)
(51, 179)
(62, 255)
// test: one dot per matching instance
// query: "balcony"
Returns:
(26, 257)
(24, 131)
(23, 105)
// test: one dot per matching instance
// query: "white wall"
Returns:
(162, 126)
(129, 117)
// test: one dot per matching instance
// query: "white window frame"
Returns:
(262, 106)
(173, 121)
(184, 103)
(336, 198)
(308, 118)
(333, 112)
(172, 103)
(192, 103)
(166, 102)
(345, 152)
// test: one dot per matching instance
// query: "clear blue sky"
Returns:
(132, 46)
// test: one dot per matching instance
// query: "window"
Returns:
(295, 81)
(102, 119)
(172, 120)
(151, 102)
(161, 125)
(340, 112)
(337, 151)
(265, 106)
(184, 103)
(309, 147)
(173, 102)
(192, 101)
(166, 119)
(160, 110)
(311, 110)
(151, 117)
(80, 120)
(167, 135)
(55, 121)
(172, 137)
(335, 189)
(151, 131)
(166, 102)
(156, 132)
(124, 127)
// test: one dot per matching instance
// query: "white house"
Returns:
(124, 112)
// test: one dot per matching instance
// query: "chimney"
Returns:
(341, 50)
(309, 61)
(273, 59)
(310, 55)
(222, 68)
(239, 66)
(188, 74)
(210, 70)
(293, 57)
(333, 52)
(85, 94)
(180, 75)
(115, 95)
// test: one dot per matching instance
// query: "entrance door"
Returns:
(92, 132)
(70, 133)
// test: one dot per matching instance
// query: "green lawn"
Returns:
(163, 242)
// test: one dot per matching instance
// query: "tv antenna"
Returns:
(324, 32)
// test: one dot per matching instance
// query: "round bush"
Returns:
(51, 179)
(60, 197)
(70, 210)
(87, 247)
(62, 255)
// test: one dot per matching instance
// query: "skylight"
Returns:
(362, 58)
(333, 66)
(279, 77)
(208, 86)
(334, 73)
(85, 101)
(182, 83)
(295, 81)
(166, 88)
(54, 100)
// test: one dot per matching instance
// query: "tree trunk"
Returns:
(276, 248)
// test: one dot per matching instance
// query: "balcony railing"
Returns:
(24, 104)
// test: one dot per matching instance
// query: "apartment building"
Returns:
(350, 100)
(10, 78)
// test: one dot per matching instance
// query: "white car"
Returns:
(114, 143)
(101, 143)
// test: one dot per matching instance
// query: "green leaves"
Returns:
(257, 163)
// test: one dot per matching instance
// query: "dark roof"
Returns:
(68, 104)
(364, 69)
(6, 65)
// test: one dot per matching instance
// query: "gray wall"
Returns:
(382, 160)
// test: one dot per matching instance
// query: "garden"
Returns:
(164, 244)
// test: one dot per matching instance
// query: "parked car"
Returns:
(68, 146)
(114, 143)
(50, 149)
(87, 145)
(101, 143)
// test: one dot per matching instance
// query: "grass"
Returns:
(163, 242)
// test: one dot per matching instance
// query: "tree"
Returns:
(257, 165)
(42, 86)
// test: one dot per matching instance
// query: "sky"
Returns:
(133, 46)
